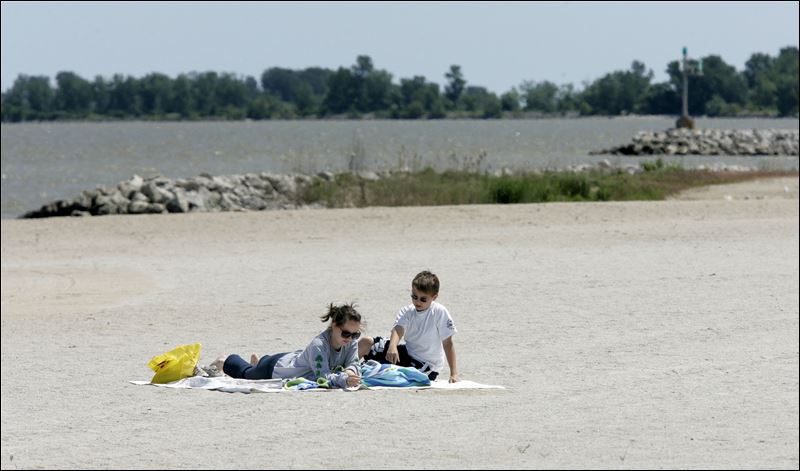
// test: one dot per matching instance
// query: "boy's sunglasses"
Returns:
(347, 334)
(422, 299)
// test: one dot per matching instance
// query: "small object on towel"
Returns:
(300, 384)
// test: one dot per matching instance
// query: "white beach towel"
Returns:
(233, 385)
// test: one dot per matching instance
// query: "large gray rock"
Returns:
(155, 193)
(134, 185)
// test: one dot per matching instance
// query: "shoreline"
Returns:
(269, 191)
(58, 164)
(508, 116)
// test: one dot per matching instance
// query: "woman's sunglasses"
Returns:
(353, 335)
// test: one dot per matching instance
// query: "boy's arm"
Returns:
(392, 356)
(450, 353)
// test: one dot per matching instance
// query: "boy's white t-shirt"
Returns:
(425, 331)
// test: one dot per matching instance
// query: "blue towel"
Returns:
(377, 374)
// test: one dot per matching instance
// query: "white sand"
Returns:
(768, 188)
(630, 335)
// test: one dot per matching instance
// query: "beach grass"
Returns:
(427, 187)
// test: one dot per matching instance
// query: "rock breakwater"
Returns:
(710, 142)
(204, 193)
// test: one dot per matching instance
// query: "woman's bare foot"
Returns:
(254, 359)
(219, 363)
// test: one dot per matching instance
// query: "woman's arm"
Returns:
(317, 355)
(352, 367)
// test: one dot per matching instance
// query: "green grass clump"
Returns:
(453, 187)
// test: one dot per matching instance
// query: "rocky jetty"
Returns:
(204, 193)
(710, 142)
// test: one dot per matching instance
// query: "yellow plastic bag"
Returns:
(176, 364)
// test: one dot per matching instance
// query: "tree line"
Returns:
(768, 86)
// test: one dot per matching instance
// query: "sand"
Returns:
(629, 335)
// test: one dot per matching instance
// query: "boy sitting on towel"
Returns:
(428, 330)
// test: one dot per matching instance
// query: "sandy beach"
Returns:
(628, 335)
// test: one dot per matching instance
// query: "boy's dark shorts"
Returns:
(378, 353)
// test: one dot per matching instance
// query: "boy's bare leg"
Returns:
(254, 359)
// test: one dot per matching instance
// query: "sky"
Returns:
(497, 44)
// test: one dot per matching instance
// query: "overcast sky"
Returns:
(497, 45)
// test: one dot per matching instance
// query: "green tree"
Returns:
(306, 89)
(155, 92)
(182, 96)
(567, 98)
(28, 98)
(101, 96)
(204, 93)
(619, 92)
(317, 78)
(32, 96)
(418, 98)
(371, 88)
(539, 96)
(455, 85)
(757, 66)
(280, 82)
(251, 90)
(123, 97)
(509, 101)
(764, 93)
(718, 78)
(760, 76)
(378, 91)
(231, 92)
(304, 99)
(492, 107)
(662, 98)
(360, 73)
(787, 81)
(773, 81)
(341, 92)
(478, 99)
(73, 94)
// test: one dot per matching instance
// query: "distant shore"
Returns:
(372, 117)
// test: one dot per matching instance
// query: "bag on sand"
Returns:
(176, 364)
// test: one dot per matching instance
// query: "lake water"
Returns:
(43, 162)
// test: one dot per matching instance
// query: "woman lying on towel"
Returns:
(335, 349)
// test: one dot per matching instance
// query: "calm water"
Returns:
(42, 162)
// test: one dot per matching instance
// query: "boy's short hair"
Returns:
(426, 282)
